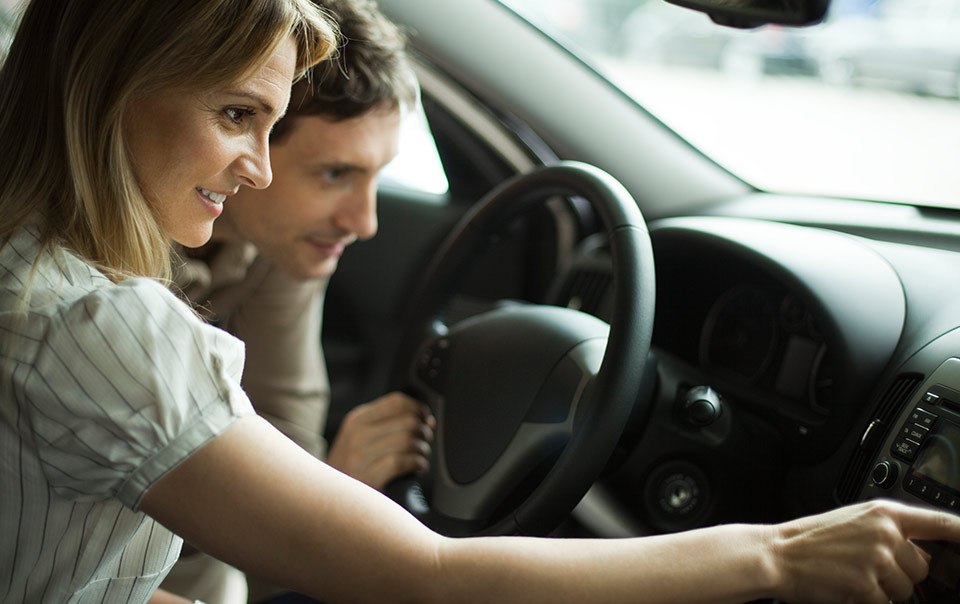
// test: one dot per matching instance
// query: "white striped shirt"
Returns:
(104, 389)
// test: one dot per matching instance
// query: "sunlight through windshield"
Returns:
(863, 105)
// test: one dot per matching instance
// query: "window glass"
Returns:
(863, 105)
(417, 165)
(9, 12)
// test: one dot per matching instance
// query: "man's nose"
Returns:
(358, 214)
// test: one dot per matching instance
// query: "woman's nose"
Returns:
(253, 167)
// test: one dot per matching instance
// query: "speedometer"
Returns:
(740, 332)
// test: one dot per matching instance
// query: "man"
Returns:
(263, 275)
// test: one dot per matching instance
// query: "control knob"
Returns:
(884, 474)
(702, 406)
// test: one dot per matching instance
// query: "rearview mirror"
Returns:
(754, 13)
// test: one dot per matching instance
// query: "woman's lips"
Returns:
(211, 200)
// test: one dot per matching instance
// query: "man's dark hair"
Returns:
(369, 71)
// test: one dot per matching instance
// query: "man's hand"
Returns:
(165, 597)
(383, 439)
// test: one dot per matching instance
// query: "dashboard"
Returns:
(793, 323)
(818, 345)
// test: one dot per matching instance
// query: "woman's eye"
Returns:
(238, 114)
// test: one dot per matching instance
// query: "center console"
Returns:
(919, 462)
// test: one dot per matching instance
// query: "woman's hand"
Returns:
(858, 554)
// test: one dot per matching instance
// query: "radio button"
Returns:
(904, 448)
(912, 484)
(914, 432)
(923, 418)
(931, 397)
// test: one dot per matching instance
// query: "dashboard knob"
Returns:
(884, 474)
(702, 406)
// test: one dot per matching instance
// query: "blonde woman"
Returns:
(125, 125)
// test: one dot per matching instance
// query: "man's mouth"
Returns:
(330, 247)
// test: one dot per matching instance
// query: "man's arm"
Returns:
(279, 318)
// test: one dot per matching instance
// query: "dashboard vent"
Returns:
(585, 290)
(887, 410)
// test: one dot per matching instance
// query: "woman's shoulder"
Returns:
(68, 294)
(49, 273)
(44, 279)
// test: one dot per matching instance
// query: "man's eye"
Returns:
(334, 174)
(238, 114)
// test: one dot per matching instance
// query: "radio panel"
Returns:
(919, 462)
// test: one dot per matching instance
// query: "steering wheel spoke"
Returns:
(547, 426)
(477, 501)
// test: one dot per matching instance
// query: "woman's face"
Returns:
(191, 151)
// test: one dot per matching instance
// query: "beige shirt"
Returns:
(279, 319)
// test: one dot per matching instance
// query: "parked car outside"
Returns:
(907, 45)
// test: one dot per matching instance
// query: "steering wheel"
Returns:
(530, 400)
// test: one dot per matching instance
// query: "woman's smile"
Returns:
(212, 201)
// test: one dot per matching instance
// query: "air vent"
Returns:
(586, 289)
(887, 410)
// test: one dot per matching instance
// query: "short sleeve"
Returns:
(126, 384)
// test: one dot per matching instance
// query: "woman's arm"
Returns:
(256, 500)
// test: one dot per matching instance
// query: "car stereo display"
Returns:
(939, 458)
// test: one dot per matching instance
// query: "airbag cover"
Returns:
(497, 364)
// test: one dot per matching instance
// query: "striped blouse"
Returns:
(103, 389)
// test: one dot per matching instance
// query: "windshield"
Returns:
(863, 105)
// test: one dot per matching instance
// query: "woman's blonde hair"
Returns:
(73, 67)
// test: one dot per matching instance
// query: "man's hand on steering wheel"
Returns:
(383, 439)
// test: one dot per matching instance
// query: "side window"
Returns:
(9, 13)
(417, 166)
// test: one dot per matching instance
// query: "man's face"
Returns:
(323, 196)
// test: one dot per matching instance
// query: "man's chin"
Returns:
(314, 270)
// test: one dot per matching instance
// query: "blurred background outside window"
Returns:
(863, 105)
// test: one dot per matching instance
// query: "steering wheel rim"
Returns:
(602, 409)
